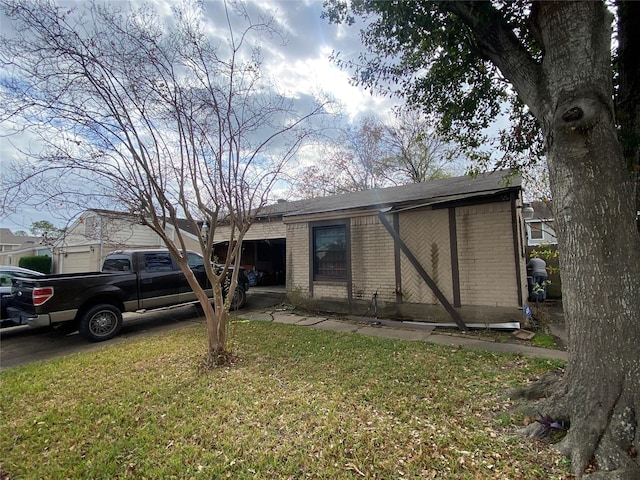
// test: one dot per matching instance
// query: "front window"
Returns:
(91, 226)
(330, 252)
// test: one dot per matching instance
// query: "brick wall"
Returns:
(426, 234)
(258, 231)
(372, 260)
(486, 256)
(329, 290)
(298, 257)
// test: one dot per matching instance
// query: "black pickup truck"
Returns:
(130, 280)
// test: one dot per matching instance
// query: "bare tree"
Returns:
(370, 153)
(153, 115)
(351, 162)
(417, 152)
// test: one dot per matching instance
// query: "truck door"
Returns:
(196, 264)
(159, 282)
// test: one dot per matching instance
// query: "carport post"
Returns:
(453, 313)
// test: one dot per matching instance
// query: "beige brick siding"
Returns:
(426, 234)
(329, 290)
(372, 260)
(485, 255)
(298, 257)
(485, 252)
(257, 231)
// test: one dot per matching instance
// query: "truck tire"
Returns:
(100, 323)
(239, 298)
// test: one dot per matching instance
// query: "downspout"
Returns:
(516, 246)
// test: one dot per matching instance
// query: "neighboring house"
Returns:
(540, 232)
(98, 232)
(377, 251)
(540, 227)
(14, 247)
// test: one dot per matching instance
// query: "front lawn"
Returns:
(299, 403)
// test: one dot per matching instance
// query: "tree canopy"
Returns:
(371, 153)
(470, 63)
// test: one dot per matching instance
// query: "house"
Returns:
(14, 247)
(430, 251)
(97, 232)
(540, 226)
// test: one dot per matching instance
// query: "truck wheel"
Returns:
(239, 298)
(100, 323)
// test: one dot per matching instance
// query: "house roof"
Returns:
(183, 224)
(542, 210)
(405, 196)
(18, 241)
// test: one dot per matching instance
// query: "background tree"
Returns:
(40, 227)
(47, 231)
(552, 61)
(370, 153)
(351, 162)
(153, 116)
(417, 152)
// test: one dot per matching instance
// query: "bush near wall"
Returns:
(39, 263)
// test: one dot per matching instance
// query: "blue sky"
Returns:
(298, 60)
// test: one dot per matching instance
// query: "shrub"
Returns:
(39, 263)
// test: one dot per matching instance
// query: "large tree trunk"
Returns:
(594, 202)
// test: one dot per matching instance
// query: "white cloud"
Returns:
(297, 61)
(306, 76)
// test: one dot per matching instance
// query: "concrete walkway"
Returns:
(400, 331)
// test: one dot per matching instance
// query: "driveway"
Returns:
(21, 345)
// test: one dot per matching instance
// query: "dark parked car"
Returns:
(7, 273)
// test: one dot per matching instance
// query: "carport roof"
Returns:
(405, 196)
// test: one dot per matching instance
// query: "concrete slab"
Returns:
(337, 326)
(258, 316)
(310, 321)
(523, 334)
(397, 334)
(288, 318)
(395, 324)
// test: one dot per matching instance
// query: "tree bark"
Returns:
(594, 203)
(216, 315)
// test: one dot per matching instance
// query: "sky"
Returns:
(299, 61)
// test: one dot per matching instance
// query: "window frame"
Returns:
(538, 228)
(315, 227)
(157, 266)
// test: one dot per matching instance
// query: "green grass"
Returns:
(300, 403)
(544, 340)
